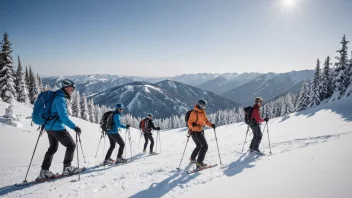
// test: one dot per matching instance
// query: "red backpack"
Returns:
(143, 124)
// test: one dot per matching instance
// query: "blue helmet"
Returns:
(68, 83)
(119, 106)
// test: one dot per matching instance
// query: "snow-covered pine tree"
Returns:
(85, 111)
(18, 75)
(288, 104)
(326, 81)
(40, 85)
(27, 77)
(69, 106)
(240, 114)
(30, 82)
(77, 105)
(316, 85)
(303, 98)
(340, 80)
(23, 95)
(91, 111)
(7, 79)
(349, 88)
(98, 114)
(35, 91)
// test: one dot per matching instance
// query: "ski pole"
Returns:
(79, 174)
(104, 145)
(156, 142)
(267, 128)
(98, 146)
(140, 137)
(125, 142)
(245, 138)
(183, 153)
(35, 148)
(217, 145)
(80, 142)
(129, 139)
(159, 141)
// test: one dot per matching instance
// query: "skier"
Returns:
(58, 133)
(146, 125)
(114, 137)
(196, 123)
(254, 125)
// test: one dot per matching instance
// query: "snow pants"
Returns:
(115, 138)
(201, 146)
(148, 136)
(65, 139)
(257, 136)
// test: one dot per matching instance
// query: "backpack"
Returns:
(106, 121)
(248, 114)
(188, 113)
(143, 124)
(42, 107)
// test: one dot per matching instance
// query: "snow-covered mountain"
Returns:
(224, 83)
(160, 99)
(269, 86)
(191, 95)
(306, 160)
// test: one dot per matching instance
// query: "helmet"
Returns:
(119, 106)
(150, 116)
(68, 83)
(202, 104)
(258, 99)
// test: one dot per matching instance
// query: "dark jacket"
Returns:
(149, 125)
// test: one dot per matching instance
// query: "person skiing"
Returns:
(254, 125)
(146, 125)
(196, 123)
(114, 137)
(57, 132)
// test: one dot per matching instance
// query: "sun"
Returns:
(288, 2)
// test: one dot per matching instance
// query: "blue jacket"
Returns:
(58, 107)
(116, 124)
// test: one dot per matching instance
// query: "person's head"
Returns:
(119, 107)
(150, 116)
(68, 86)
(201, 104)
(258, 101)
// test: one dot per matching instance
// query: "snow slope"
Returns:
(310, 158)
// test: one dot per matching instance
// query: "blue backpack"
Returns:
(42, 106)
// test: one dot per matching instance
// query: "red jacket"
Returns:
(256, 114)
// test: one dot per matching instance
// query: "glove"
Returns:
(158, 128)
(78, 130)
(127, 126)
(213, 125)
(266, 119)
(188, 133)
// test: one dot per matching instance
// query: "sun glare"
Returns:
(288, 2)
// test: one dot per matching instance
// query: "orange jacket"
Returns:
(198, 117)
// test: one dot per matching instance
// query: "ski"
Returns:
(116, 164)
(57, 176)
(201, 169)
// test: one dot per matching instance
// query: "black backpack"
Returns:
(188, 113)
(106, 121)
(248, 114)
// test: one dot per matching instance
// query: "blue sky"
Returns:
(171, 37)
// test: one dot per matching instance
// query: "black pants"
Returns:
(201, 146)
(257, 136)
(148, 136)
(65, 139)
(115, 138)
